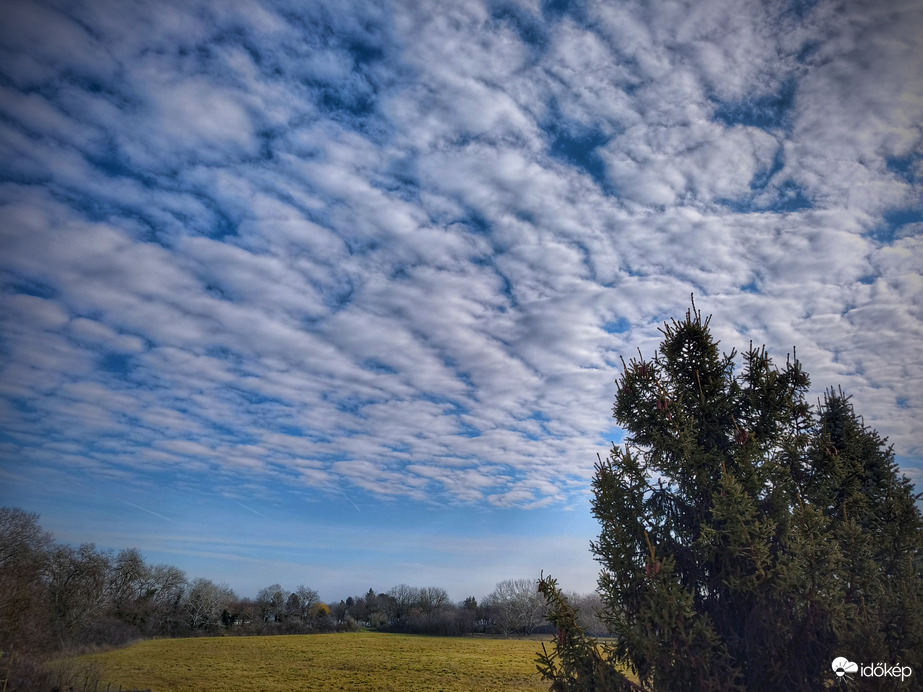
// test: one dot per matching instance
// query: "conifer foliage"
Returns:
(747, 539)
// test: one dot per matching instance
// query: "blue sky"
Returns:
(334, 293)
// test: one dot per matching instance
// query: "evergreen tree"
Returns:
(854, 481)
(746, 540)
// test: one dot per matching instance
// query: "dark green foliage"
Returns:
(854, 481)
(746, 539)
(576, 663)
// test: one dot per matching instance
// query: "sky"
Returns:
(334, 293)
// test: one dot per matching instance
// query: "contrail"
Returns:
(145, 509)
(250, 509)
(349, 499)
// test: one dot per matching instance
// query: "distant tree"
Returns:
(515, 606)
(319, 610)
(204, 604)
(293, 606)
(141, 599)
(340, 610)
(24, 557)
(307, 599)
(321, 618)
(588, 607)
(271, 603)
(746, 540)
(403, 599)
(242, 612)
(432, 599)
(22, 539)
(127, 584)
(166, 585)
(77, 581)
(466, 615)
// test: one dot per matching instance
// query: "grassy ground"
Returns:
(366, 661)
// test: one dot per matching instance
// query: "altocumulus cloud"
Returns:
(397, 248)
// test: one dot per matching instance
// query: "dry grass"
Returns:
(365, 661)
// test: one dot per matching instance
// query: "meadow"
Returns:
(367, 661)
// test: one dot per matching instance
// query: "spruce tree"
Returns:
(747, 539)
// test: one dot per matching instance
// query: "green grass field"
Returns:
(365, 661)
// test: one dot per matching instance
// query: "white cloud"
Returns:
(353, 257)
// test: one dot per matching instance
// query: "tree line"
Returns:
(58, 597)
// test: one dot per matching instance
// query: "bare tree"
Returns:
(146, 597)
(77, 581)
(271, 603)
(127, 585)
(516, 606)
(404, 598)
(21, 537)
(167, 586)
(589, 606)
(24, 554)
(431, 599)
(307, 599)
(204, 603)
